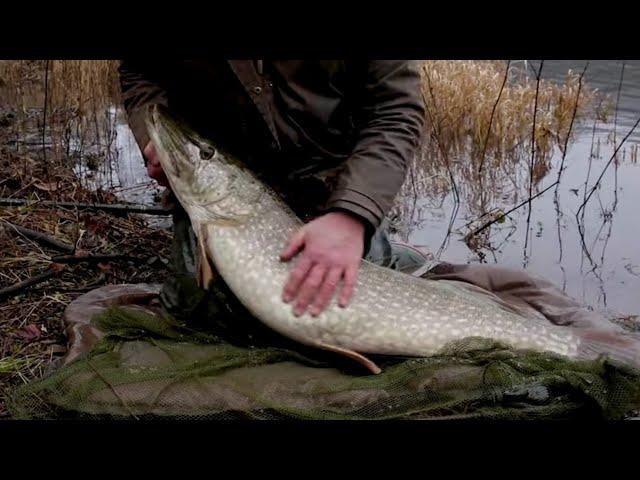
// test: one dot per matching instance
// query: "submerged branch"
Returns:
(500, 217)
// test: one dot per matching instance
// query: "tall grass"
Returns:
(461, 96)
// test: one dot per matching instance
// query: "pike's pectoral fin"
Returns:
(206, 269)
(361, 359)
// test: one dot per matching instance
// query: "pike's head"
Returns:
(210, 184)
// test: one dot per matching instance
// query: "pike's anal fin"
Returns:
(361, 359)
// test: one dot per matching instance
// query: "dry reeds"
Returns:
(461, 107)
(83, 87)
(68, 101)
(481, 133)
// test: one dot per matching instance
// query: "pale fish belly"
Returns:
(391, 313)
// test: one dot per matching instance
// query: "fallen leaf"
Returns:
(30, 332)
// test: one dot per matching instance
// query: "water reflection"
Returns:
(580, 233)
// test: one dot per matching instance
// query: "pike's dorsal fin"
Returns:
(361, 359)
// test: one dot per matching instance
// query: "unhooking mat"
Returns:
(130, 356)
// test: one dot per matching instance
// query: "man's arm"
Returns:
(390, 120)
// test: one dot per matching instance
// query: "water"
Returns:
(124, 173)
(601, 267)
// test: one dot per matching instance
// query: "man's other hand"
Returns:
(154, 168)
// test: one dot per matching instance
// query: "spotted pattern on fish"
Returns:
(247, 225)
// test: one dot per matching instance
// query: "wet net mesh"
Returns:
(204, 357)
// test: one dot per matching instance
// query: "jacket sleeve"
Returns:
(141, 86)
(389, 120)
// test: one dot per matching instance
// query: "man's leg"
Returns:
(180, 290)
(394, 255)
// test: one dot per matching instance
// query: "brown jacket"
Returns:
(289, 118)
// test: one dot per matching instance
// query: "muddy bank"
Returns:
(91, 249)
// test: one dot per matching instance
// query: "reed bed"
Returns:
(481, 142)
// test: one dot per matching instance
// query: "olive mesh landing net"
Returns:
(185, 365)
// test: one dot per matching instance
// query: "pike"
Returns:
(241, 226)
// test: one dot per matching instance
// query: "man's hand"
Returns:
(331, 248)
(154, 168)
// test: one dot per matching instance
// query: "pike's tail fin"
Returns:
(617, 347)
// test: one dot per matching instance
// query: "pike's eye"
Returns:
(207, 152)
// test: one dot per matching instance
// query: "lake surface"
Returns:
(601, 266)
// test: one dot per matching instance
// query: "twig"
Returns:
(531, 162)
(44, 116)
(18, 287)
(115, 208)
(615, 124)
(493, 111)
(88, 258)
(586, 180)
(445, 156)
(615, 118)
(42, 238)
(559, 215)
(615, 152)
(564, 156)
(573, 117)
(500, 217)
(486, 140)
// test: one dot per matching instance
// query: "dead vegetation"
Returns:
(481, 133)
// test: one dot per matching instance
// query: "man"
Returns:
(333, 137)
